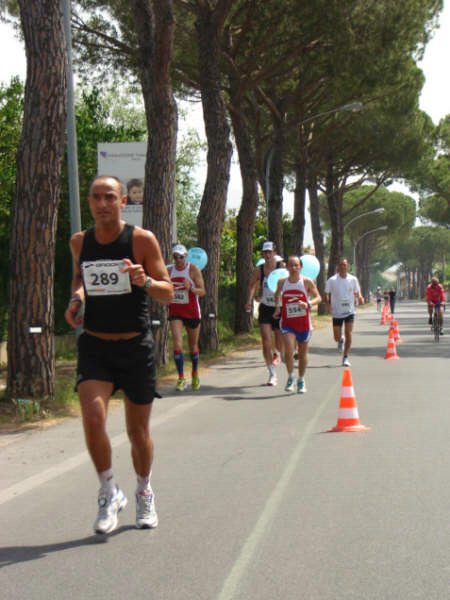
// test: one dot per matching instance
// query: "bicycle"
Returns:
(436, 325)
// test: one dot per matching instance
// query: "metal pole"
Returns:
(72, 154)
(375, 211)
(382, 228)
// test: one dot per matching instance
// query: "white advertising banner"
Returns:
(126, 160)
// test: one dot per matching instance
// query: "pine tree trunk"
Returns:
(209, 25)
(274, 191)
(317, 235)
(31, 356)
(245, 223)
(155, 28)
(335, 212)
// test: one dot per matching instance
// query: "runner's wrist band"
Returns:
(75, 298)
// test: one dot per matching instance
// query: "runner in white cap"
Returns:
(268, 325)
(184, 310)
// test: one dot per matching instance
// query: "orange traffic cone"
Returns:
(397, 338)
(391, 351)
(385, 314)
(348, 417)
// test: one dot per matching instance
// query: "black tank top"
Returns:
(114, 313)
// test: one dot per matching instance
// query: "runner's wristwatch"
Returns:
(148, 282)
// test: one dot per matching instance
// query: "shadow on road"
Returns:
(12, 555)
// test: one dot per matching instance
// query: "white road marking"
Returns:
(34, 481)
(267, 515)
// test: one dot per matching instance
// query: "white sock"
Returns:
(143, 485)
(271, 370)
(107, 482)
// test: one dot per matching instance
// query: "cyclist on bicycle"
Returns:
(435, 295)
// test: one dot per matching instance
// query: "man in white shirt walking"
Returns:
(342, 292)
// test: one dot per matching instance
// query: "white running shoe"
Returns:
(301, 387)
(108, 509)
(272, 379)
(341, 344)
(346, 362)
(289, 384)
(146, 516)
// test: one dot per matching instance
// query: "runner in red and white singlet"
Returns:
(184, 310)
(294, 297)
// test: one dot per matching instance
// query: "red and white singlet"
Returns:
(185, 303)
(293, 315)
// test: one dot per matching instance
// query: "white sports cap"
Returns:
(267, 246)
(179, 249)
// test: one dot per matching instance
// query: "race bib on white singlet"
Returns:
(293, 309)
(269, 300)
(105, 278)
(345, 304)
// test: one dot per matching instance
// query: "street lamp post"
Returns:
(382, 228)
(350, 107)
(375, 211)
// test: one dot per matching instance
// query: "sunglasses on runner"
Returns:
(178, 256)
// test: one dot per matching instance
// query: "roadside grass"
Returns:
(65, 404)
(26, 414)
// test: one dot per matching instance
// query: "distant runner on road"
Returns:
(435, 295)
(341, 292)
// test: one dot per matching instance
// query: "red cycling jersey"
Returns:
(435, 294)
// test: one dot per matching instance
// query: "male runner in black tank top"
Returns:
(116, 266)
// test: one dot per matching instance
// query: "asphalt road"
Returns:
(255, 500)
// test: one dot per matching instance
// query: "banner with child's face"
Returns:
(126, 160)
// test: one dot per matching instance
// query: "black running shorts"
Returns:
(265, 316)
(190, 323)
(338, 321)
(128, 364)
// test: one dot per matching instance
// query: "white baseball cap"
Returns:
(267, 246)
(179, 249)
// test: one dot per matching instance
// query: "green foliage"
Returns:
(380, 246)
(11, 108)
(425, 251)
(433, 178)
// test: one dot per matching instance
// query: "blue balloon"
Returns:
(311, 266)
(260, 262)
(274, 276)
(198, 257)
